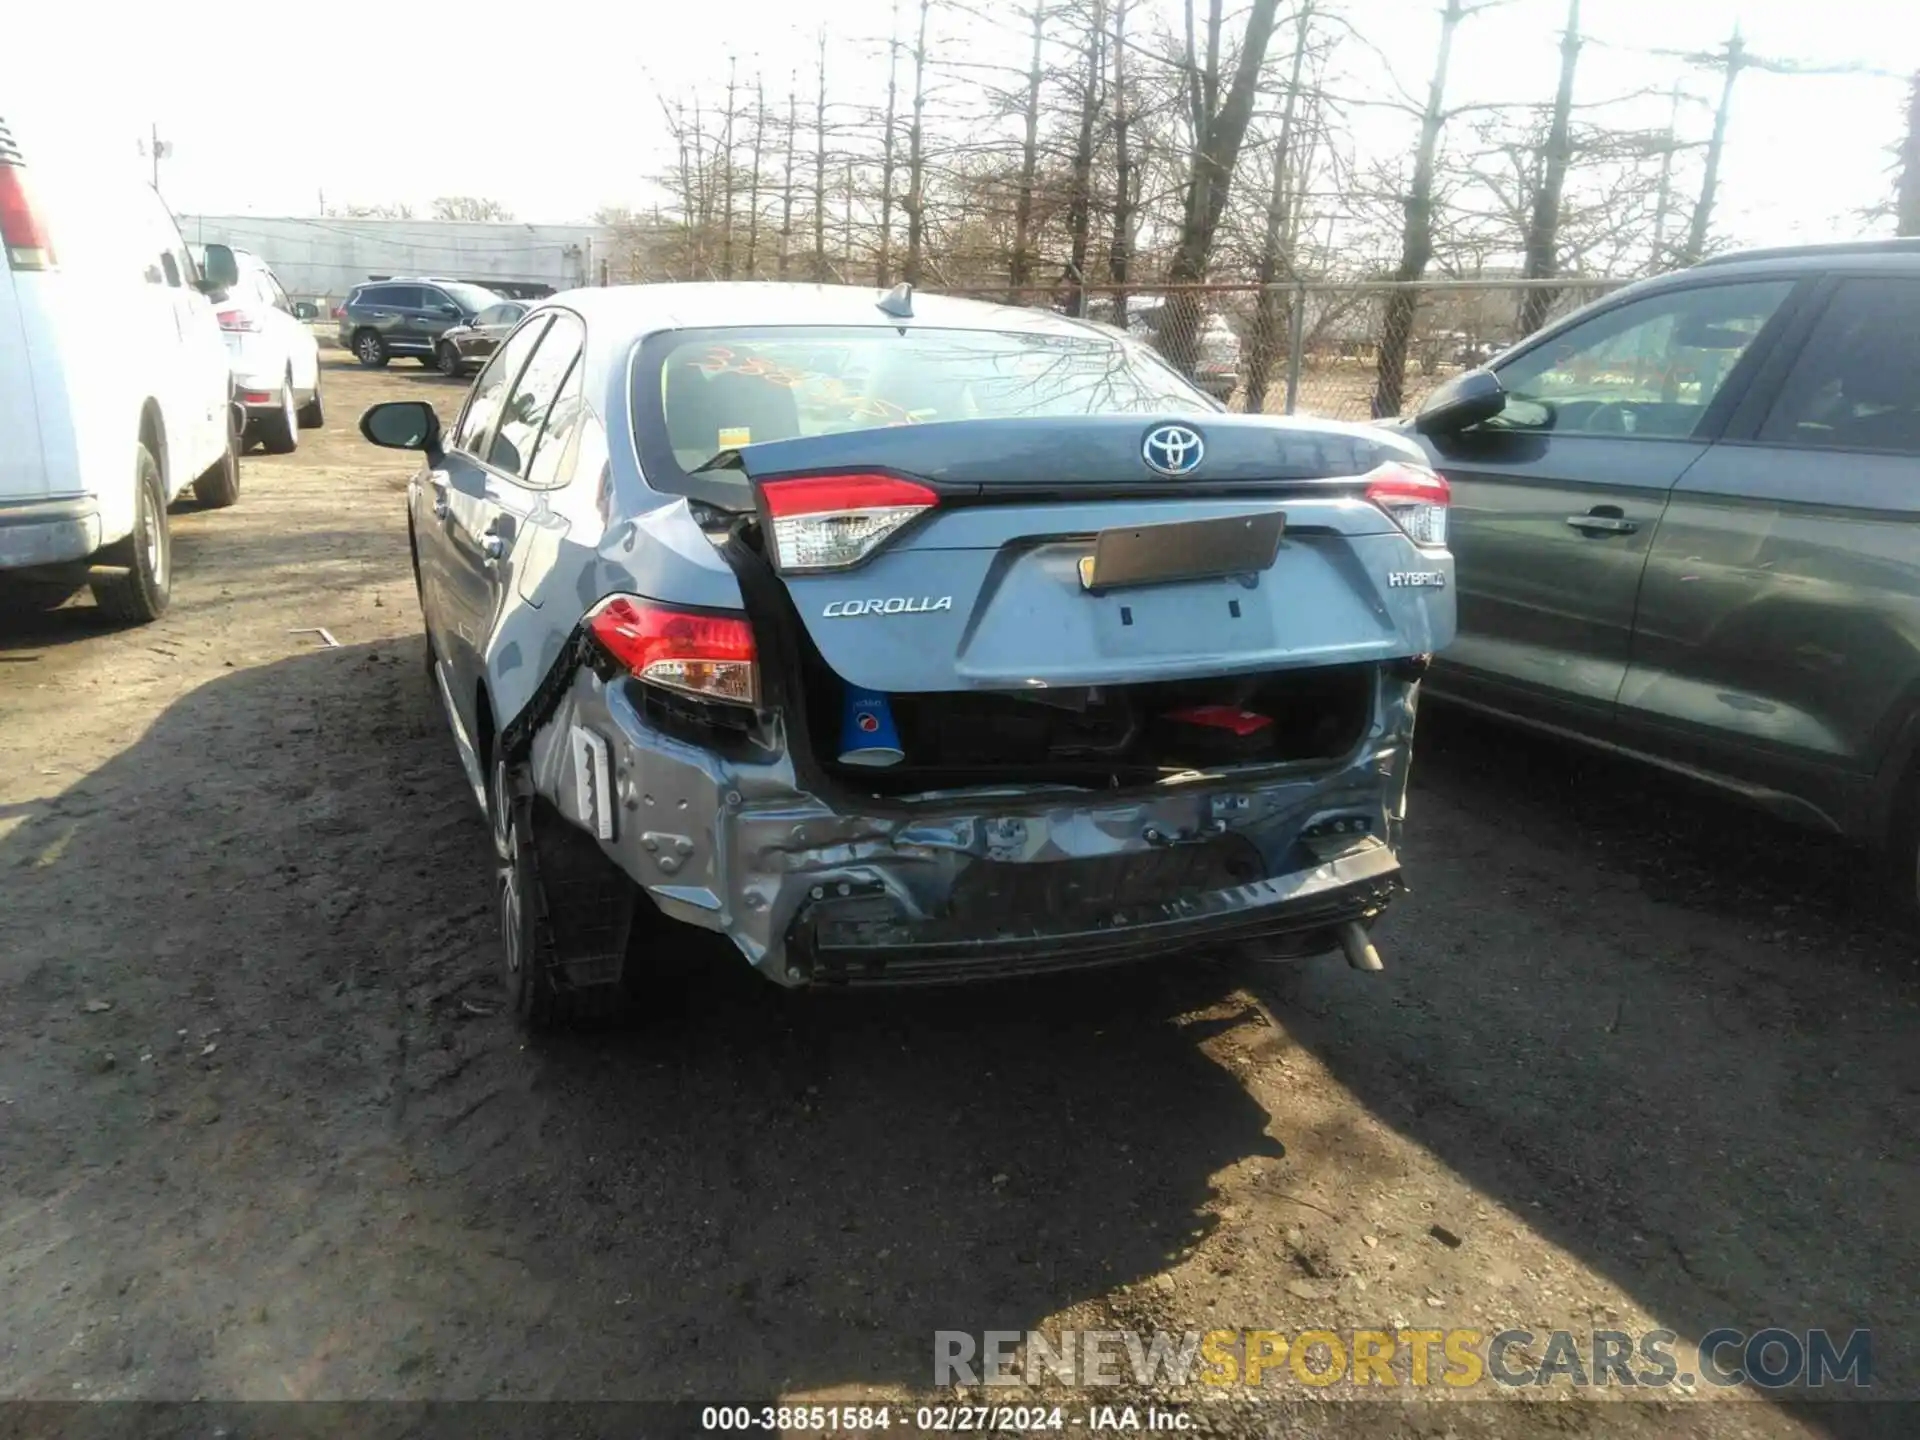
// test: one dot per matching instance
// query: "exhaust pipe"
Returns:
(1358, 948)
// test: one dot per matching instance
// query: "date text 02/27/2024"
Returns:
(941, 1419)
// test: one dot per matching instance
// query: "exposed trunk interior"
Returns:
(1102, 738)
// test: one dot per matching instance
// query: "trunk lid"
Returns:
(1056, 553)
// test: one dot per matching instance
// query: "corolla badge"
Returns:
(892, 605)
(1172, 449)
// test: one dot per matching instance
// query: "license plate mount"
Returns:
(1131, 555)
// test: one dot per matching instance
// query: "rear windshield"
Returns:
(715, 390)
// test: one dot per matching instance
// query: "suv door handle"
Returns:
(439, 483)
(493, 544)
(1603, 520)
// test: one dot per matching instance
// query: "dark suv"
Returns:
(1686, 522)
(385, 318)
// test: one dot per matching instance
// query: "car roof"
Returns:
(636, 310)
(1904, 248)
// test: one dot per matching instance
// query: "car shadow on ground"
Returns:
(1675, 1037)
(756, 1193)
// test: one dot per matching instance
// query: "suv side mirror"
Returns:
(1466, 399)
(402, 425)
(452, 312)
(219, 269)
(305, 310)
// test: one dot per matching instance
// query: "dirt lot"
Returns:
(1637, 1059)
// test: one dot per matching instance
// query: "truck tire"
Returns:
(142, 593)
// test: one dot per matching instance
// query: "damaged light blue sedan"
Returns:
(902, 638)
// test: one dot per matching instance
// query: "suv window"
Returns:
(1650, 367)
(518, 436)
(490, 390)
(1856, 385)
(390, 297)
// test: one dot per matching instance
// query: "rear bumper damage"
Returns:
(983, 882)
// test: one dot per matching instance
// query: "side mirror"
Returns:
(219, 269)
(305, 310)
(402, 425)
(1466, 399)
(452, 312)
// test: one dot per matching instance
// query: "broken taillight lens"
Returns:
(1415, 499)
(830, 522)
(711, 656)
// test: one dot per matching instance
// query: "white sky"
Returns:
(385, 101)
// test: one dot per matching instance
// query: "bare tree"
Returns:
(390, 210)
(1125, 200)
(1544, 229)
(753, 179)
(915, 203)
(889, 151)
(1020, 272)
(786, 184)
(726, 179)
(1416, 239)
(1906, 205)
(820, 164)
(1080, 195)
(1275, 249)
(1219, 124)
(469, 207)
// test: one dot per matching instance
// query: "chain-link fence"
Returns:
(1342, 350)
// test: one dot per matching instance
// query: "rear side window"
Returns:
(1856, 385)
(523, 419)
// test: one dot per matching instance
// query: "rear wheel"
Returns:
(279, 431)
(220, 486)
(370, 350)
(449, 359)
(566, 913)
(141, 593)
(313, 414)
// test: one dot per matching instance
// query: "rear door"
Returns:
(430, 318)
(1556, 500)
(1778, 635)
(486, 500)
(385, 309)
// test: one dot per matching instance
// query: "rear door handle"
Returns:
(1603, 520)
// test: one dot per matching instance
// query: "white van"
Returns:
(115, 393)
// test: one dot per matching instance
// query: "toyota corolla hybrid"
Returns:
(903, 639)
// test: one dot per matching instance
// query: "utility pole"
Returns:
(1664, 203)
(156, 150)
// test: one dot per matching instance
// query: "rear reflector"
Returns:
(711, 656)
(830, 522)
(256, 397)
(1414, 498)
(22, 228)
(236, 320)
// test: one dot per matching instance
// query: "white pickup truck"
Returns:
(115, 390)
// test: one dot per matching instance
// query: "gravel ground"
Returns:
(1638, 1060)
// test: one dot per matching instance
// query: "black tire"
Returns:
(429, 362)
(449, 361)
(142, 593)
(279, 431)
(370, 350)
(313, 414)
(220, 486)
(565, 914)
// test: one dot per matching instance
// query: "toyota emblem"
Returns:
(1172, 449)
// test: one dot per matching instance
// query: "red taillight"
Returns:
(22, 228)
(829, 522)
(1416, 499)
(339, 312)
(236, 320)
(711, 656)
(256, 397)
